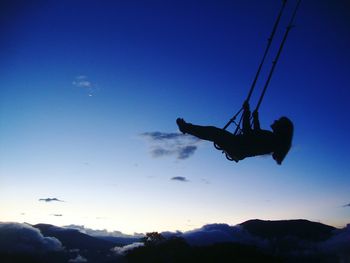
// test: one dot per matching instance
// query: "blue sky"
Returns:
(82, 81)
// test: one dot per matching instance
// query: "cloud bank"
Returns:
(167, 144)
(23, 238)
(101, 233)
(339, 243)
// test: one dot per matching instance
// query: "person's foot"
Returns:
(181, 124)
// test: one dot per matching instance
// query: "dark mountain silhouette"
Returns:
(72, 238)
(301, 229)
(52, 257)
(291, 241)
(177, 250)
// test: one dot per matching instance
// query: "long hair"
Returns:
(283, 129)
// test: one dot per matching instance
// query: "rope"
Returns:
(289, 27)
(252, 87)
(269, 41)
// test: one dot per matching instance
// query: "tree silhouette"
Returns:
(153, 238)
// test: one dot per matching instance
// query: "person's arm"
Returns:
(256, 122)
(246, 118)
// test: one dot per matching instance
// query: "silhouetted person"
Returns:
(251, 141)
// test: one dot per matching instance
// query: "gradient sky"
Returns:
(82, 82)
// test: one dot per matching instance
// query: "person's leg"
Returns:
(208, 133)
(222, 138)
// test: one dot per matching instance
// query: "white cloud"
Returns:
(16, 237)
(84, 83)
(123, 250)
(78, 259)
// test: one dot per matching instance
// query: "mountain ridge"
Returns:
(300, 228)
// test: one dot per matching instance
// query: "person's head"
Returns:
(283, 130)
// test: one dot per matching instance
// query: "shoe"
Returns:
(181, 124)
(232, 157)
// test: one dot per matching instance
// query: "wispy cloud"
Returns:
(347, 205)
(179, 178)
(123, 250)
(205, 181)
(166, 144)
(50, 200)
(159, 136)
(84, 83)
